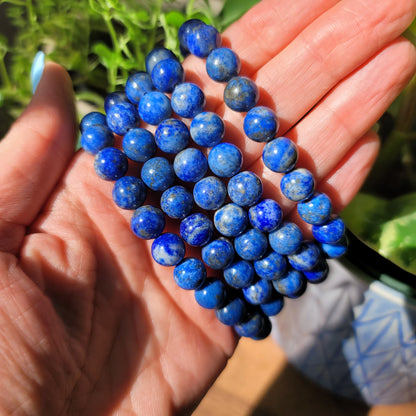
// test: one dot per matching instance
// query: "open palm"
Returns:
(89, 324)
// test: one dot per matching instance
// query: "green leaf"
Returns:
(234, 9)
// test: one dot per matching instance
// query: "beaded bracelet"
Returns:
(263, 259)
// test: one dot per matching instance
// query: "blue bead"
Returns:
(291, 285)
(190, 273)
(187, 100)
(264, 332)
(337, 249)
(222, 64)
(210, 193)
(211, 294)
(168, 249)
(252, 326)
(315, 210)
(176, 202)
(230, 220)
(297, 185)
(232, 312)
(154, 107)
(225, 160)
(245, 188)
(259, 292)
(241, 94)
(96, 137)
(110, 164)
(190, 165)
(318, 274)
(172, 135)
(271, 266)
(207, 129)
(280, 155)
(218, 253)
(158, 174)
(239, 274)
(196, 229)
(114, 98)
(122, 117)
(147, 222)
(92, 118)
(274, 305)
(330, 232)
(137, 85)
(129, 192)
(252, 245)
(260, 124)
(167, 74)
(266, 215)
(286, 239)
(202, 39)
(139, 145)
(184, 31)
(306, 258)
(157, 55)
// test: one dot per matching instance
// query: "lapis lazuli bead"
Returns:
(158, 174)
(280, 155)
(337, 249)
(264, 331)
(96, 137)
(318, 274)
(210, 193)
(167, 74)
(222, 64)
(232, 312)
(184, 31)
(176, 202)
(286, 239)
(187, 100)
(157, 55)
(230, 220)
(251, 245)
(266, 215)
(110, 164)
(147, 222)
(207, 129)
(329, 232)
(139, 144)
(274, 305)
(245, 188)
(190, 273)
(154, 107)
(168, 249)
(196, 229)
(190, 165)
(241, 94)
(259, 292)
(218, 253)
(202, 39)
(291, 285)
(298, 184)
(122, 117)
(113, 98)
(260, 124)
(271, 266)
(239, 274)
(92, 118)
(129, 192)
(137, 85)
(315, 210)
(211, 294)
(252, 326)
(172, 135)
(225, 160)
(307, 256)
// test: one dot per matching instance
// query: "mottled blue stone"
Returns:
(218, 253)
(202, 39)
(92, 118)
(315, 210)
(280, 155)
(190, 165)
(271, 266)
(210, 193)
(251, 245)
(167, 74)
(187, 100)
(239, 274)
(225, 160)
(222, 64)
(274, 305)
(114, 98)
(212, 294)
(96, 137)
(232, 312)
(157, 55)
(110, 164)
(190, 274)
(207, 129)
(241, 94)
(176, 202)
(139, 145)
(129, 192)
(264, 331)
(122, 117)
(260, 124)
(266, 215)
(172, 135)
(137, 85)
(307, 256)
(330, 232)
(318, 274)
(154, 107)
(286, 239)
(158, 174)
(291, 285)
(245, 188)
(297, 185)
(196, 229)
(252, 326)
(259, 292)
(337, 249)
(184, 31)
(147, 222)
(168, 249)
(230, 220)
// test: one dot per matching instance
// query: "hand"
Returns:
(89, 323)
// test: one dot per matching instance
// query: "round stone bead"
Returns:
(96, 137)
(202, 39)
(260, 124)
(315, 210)
(113, 98)
(122, 117)
(196, 229)
(297, 185)
(307, 256)
(139, 145)
(232, 312)
(207, 129)
(110, 164)
(230, 220)
(259, 292)
(280, 155)
(212, 294)
(92, 118)
(252, 326)
(225, 160)
(337, 249)
(218, 254)
(274, 305)
(286, 239)
(245, 188)
(154, 107)
(190, 165)
(330, 232)
(176, 202)
(266, 215)
(251, 245)
(210, 193)
(168, 249)
(270, 267)
(239, 274)
(137, 85)
(172, 135)
(241, 94)
(265, 330)
(291, 285)
(222, 64)
(147, 222)
(190, 274)
(157, 55)
(167, 74)
(184, 31)
(187, 100)
(318, 274)
(129, 192)
(158, 174)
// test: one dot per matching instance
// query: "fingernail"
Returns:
(37, 70)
